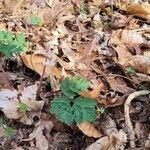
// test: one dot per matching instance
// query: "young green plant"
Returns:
(7, 130)
(70, 106)
(11, 44)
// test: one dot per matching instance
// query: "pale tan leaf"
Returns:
(41, 142)
(95, 93)
(115, 42)
(134, 38)
(39, 63)
(89, 130)
(140, 63)
(98, 2)
(9, 103)
(114, 141)
(141, 10)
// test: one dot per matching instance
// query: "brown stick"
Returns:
(127, 115)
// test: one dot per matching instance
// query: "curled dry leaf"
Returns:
(10, 100)
(119, 85)
(39, 63)
(140, 10)
(13, 5)
(41, 142)
(95, 93)
(117, 44)
(140, 63)
(89, 130)
(135, 38)
(114, 141)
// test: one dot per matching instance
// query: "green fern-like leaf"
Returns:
(84, 109)
(61, 107)
(79, 84)
(34, 20)
(65, 88)
(8, 132)
(23, 107)
(10, 44)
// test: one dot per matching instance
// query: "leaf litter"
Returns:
(104, 42)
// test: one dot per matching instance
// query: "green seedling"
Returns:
(11, 44)
(34, 20)
(8, 130)
(130, 70)
(83, 9)
(23, 107)
(71, 107)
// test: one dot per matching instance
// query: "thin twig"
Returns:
(127, 115)
(40, 85)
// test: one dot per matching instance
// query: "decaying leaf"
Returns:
(10, 100)
(114, 141)
(41, 142)
(13, 5)
(141, 10)
(135, 38)
(39, 63)
(95, 93)
(117, 44)
(89, 130)
(140, 63)
(118, 84)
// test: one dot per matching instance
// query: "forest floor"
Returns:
(104, 42)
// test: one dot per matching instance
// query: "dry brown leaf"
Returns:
(37, 63)
(115, 42)
(41, 142)
(2, 132)
(119, 85)
(114, 141)
(140, 63)
(5, 82)
(141, 10)
(89, 130)
(9, 103)
(135, 38)
(97, 2)
(13, 5)
(95, 93)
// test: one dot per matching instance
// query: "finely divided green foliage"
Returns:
(130, 70)
(61, 107)
(74, 86)
(34, 20)
(23, 107)
(11, 44)
(7, 130)
(79, 84)
(65, 88)
(84, 109)
(71, 107)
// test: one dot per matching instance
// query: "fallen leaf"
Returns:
(114, 141)
(41, 142)
(2, 132)
(89, 130)
(95, 93)
(119, 85)
(140, 63)
(135, 38)
(38, 63)
(97, 2)
(140, 10)
(9, 102)
(13, 5)
(117, 44)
